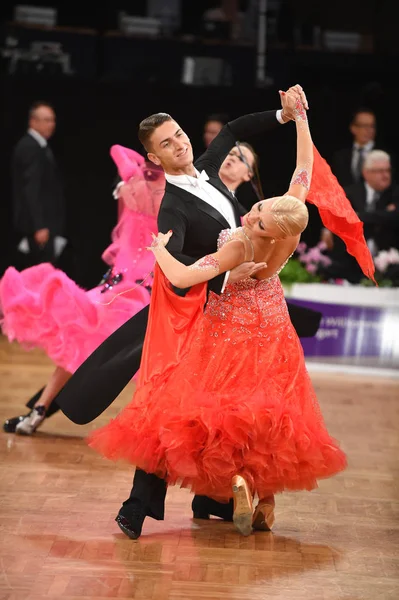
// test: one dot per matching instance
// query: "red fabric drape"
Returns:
(171, 325)
(337, 214)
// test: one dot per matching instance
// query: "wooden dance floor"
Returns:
(58, 538)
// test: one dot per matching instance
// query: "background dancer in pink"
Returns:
(41, 307)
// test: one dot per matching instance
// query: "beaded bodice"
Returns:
(227, 235)
(250, 302)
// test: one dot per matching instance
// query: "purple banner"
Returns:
(353, 331)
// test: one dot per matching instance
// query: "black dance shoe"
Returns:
(132, 524)
(26, 424)
(204, 507)
(10, 425)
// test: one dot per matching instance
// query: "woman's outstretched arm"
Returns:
(300, 182)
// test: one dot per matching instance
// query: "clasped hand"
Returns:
(245, 270)
(289, 101)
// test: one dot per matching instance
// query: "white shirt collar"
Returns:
(369, 191)
(368, 147)
(39, 138)
(187, 179)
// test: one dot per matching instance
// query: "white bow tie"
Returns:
(200, 180)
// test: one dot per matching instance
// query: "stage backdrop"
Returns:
(359, 325)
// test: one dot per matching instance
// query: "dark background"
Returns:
(118, 81)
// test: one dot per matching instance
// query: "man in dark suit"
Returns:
(347, 164)
(376, 201)
(38, 201)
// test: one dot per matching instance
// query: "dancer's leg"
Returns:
(147, 499)
(40, 404)
(53, 408)
(57, 380)
(204, 507)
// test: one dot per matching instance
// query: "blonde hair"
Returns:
(290, 215)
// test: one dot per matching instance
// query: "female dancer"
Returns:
(140, 193)
(224, 403)
(42, 307)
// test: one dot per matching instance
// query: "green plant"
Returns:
(295, 272)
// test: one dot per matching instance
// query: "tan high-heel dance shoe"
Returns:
(264, 515)
(243, 509)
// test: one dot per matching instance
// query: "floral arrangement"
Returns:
(313, 258)
(307, 266)
(387, 269)
(386, 258)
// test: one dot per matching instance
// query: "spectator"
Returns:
(38, 201)
(347, 164)
(376, 201)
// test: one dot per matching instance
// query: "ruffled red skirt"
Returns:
(231, 396)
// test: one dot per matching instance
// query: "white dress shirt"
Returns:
(371, 195)
(278, 116)
(199, 186)
(355, 154)
(370, 200)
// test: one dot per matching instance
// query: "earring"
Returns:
(272, 241)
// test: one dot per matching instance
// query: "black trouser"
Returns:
(149, 491)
